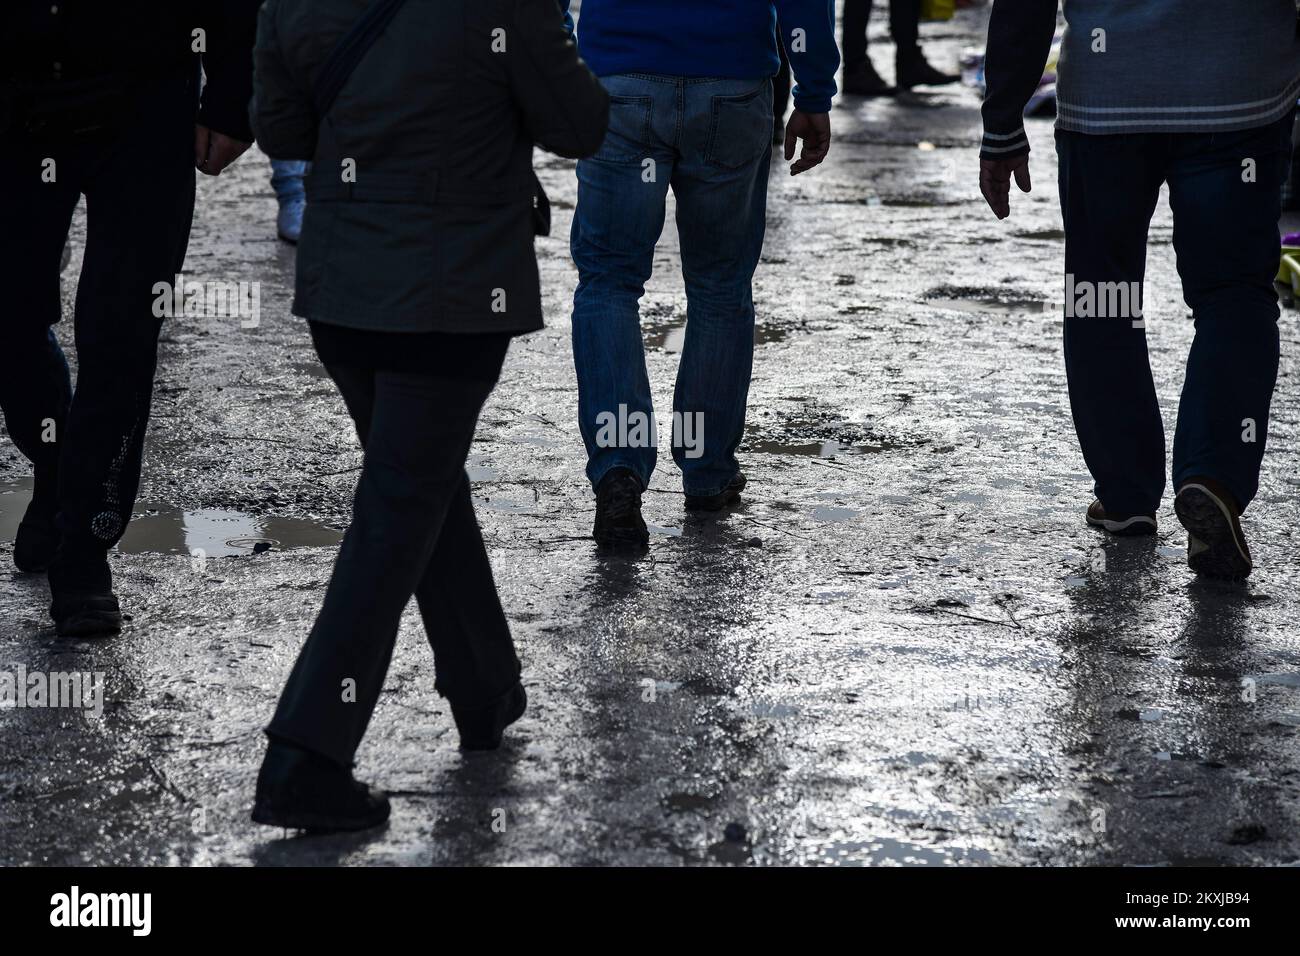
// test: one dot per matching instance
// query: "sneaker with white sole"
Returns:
(1122, 525)
(1216, 545)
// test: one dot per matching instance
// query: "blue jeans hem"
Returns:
(597, 471)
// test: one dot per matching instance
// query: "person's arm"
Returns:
(808, 32)
(807, 29)
(1020, 39)
(565, 107)
(282, 112)
(222, 132)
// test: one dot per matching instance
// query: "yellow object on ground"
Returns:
(1289, 269)
(938, 9)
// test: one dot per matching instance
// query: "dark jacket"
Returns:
(434, 231)
(48, 44)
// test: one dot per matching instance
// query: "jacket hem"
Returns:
(453, 323)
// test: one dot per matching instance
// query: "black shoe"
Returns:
(1122, 525)
(37, 540)
(618, 511)
(301, 790)
(913, 70)
(1216, 545)
(717, 502)
(481, 727)
(863, 80)
(83, 603)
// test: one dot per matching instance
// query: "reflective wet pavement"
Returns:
(904, 648)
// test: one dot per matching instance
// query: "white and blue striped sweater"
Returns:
(1142, 66)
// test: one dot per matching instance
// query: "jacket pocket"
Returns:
(741, 127)
(628, 136)
(488, 270)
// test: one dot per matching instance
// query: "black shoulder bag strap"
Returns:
(351, 50)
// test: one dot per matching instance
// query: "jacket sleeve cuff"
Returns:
(1004, 145)
(812, 104)
(230, 119)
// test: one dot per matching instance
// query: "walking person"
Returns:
(416, 268)
(1131, 117)
(691, 109)
(910, 65)
(101, 100)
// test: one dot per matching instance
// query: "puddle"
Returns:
(886, 852)
(1283, 678)
(670, 339)
(772, 709)
(482, 473)
(996, 306)
(219, 532)
(159, 528)
(310, 369)
(508, 506)
(919, 202)
(824, 449)
(687, 802)
(833, 514)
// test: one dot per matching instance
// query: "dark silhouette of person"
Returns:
(910, 65)
(692, 94)
(101, 99)
(415, 270)
(1130, 118)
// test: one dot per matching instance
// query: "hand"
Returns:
(995, 182)
(815, 131)
(213, 151)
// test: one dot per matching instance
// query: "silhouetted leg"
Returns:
(419, 430)
(467, 629)
(1226, 238)
(1109, 189)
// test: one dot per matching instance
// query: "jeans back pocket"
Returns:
(741, 127)
(629, 128)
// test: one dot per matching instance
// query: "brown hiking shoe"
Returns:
(1122, 525)
(1216, 545)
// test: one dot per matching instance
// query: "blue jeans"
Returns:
(1226, 241)
(287, 179)
(710, 140)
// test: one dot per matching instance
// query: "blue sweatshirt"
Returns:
(735, 39)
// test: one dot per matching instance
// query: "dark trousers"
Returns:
(86, 446)
(1226, 240)
(413, 531)
(904, 27)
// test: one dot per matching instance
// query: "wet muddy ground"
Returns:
(904, 648)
